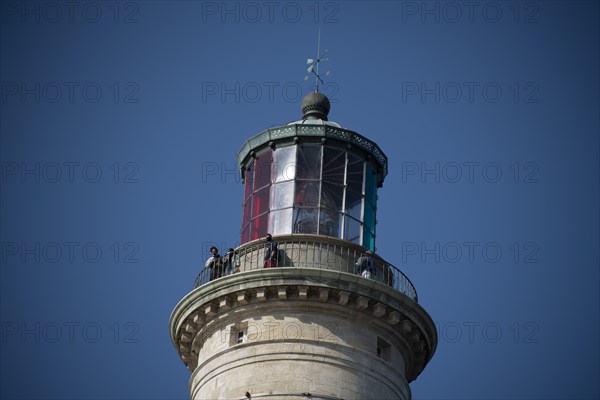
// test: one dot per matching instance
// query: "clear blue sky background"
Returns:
(184, 83)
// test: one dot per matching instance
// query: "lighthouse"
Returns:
(330, 318)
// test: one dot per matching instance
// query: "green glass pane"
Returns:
(369, 227)
(371, 186)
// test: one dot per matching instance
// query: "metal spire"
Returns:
(314, 63)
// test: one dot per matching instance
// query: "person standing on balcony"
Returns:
(364, 265)
(270, 252)
(214, 264)
(231, 262)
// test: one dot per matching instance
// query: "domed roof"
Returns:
(315, 105)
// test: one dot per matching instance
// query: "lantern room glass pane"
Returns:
(332, 195)
(354, 186)
(305, 220)
(329, 222)
(355, 172)
(309, 162)
(281, 222)
(371, 185)
(368, 240)
(249, 181)
(307, 193)
(353, 202)
(369, 227)
(370, 207)
(246, 213)
(259, 227)
(284, 164)
(369, 220)
(334, 164)
(352, 229)
(283, 195)
(262, 174)
(260, 202)
(245, 234)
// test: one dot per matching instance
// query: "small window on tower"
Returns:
(242, 335)
(238, 334)
(383, 349)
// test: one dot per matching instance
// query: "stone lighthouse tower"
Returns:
(330, 319)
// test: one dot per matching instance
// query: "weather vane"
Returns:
(314, 64)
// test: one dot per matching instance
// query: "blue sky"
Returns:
(119, 128)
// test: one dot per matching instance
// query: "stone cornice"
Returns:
(303, 287)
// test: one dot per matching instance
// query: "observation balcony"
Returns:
(315, 252)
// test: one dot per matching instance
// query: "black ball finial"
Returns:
(315, 105)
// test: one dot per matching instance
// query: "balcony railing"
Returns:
(311, 251)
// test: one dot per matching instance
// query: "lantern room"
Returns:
(311, 177)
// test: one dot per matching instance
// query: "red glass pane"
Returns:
(246, 213)
(245, 234)
(262, 175)
(260, 202)
(259, 227)
(249, 181)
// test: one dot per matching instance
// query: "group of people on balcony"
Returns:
(229, 264)
(222, 265)
(367, 265)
